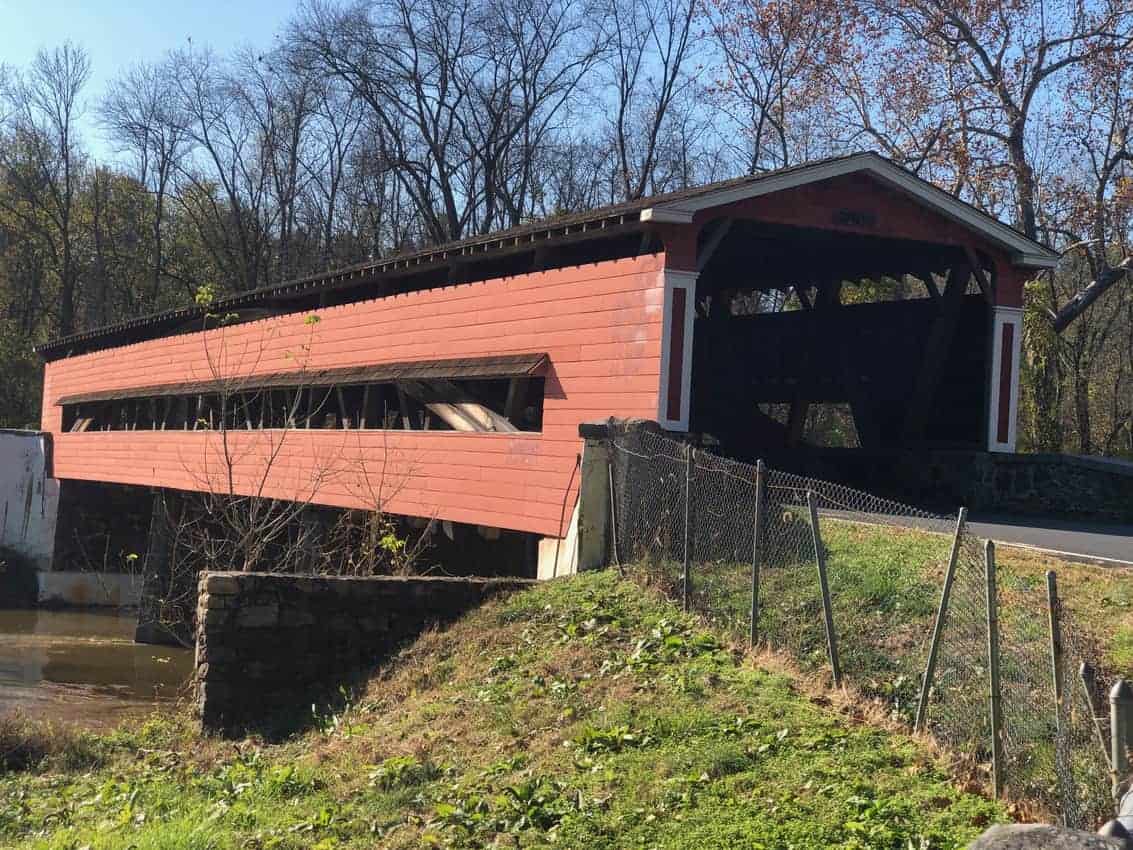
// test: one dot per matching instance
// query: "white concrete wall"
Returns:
(29, 500)
(559, 556)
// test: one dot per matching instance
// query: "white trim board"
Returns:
(1004, 316)
(1024, 252)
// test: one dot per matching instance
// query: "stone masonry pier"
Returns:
(270, 645)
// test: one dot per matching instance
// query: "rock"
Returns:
(258, 616)
(1033, 836)
(294, 618)
(222, 584)
(213, 617)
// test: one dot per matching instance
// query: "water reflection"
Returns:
(83, 667)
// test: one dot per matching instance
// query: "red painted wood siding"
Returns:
(600, 324)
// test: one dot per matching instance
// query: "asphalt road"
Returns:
(1084, 540)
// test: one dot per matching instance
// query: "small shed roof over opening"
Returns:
(606, 233)
(464, 368)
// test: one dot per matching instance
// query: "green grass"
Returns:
(885, 588)
(584, 713)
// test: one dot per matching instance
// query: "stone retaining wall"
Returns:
(1047, 486)
(270, 645)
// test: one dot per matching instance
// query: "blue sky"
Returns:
(120, 33)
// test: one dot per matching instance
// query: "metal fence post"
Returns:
(824, 587)
(1062, 766)
(995, 698)
(941, 615)
(1089, 682)
(1120, 721)
(756, 547)
(688, 543)
(1055, 642)
(613, 505)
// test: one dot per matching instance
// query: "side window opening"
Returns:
(468, 405)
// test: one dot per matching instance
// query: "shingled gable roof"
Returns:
(670, 207)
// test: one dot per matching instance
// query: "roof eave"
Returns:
(666, 215)
(1023, 251)
(1034, 260)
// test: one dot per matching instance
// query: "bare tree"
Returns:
(775, 58)
(225, 175)
(338, 119)
(1004, 59)
(403, 59)
(43, 159)
(535, 54)
(462, 96)
(651, 42)
(141, 115)
(1094, 198)
(279, 96)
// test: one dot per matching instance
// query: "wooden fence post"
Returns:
(941, 616)
(824, 587)
(756, 547)
(688, 543)
(995, 697)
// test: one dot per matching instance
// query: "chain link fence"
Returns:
(881, 595)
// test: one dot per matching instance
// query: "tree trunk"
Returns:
(1082, 412)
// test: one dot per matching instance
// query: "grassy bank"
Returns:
(885, 585)
(885, 588)
(583, 713)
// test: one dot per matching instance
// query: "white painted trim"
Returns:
(1004, 316)
(558, 556)
(676, 279)
(1024, 252)
(1035, 261)
(666, 323)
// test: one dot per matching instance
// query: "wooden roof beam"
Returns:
(708, 249)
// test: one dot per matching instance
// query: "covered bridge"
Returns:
(450, 382)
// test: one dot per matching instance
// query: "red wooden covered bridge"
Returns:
(450, 382)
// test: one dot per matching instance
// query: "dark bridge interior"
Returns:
(791, 321)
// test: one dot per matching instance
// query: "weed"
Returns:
(25, 744)
(612, 740)
(403, 772)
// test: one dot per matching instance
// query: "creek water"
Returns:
(84, 668)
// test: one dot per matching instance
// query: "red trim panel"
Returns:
(1003, 427)
(676, 352)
